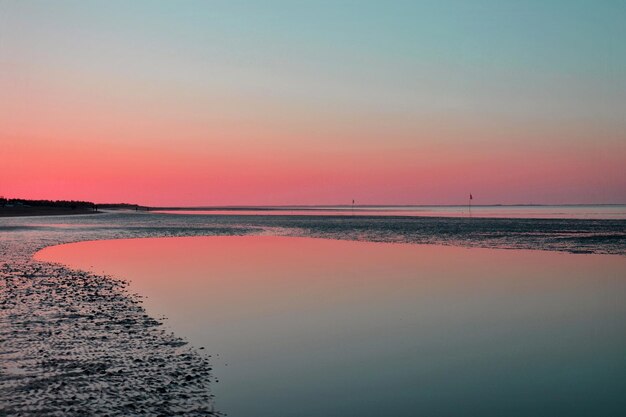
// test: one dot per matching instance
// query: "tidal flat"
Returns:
(81, 342)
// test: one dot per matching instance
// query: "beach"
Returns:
(75, 342)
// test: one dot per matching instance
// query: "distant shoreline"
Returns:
(367, 206)
(25, 210)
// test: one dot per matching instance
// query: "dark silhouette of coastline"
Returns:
(14, 207)
(123, 206)
(22, 207)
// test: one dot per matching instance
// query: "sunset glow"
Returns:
(266, 103)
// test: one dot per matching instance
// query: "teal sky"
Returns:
(362, 80)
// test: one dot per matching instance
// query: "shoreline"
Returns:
(77, 343)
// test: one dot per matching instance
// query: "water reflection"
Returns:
(309, 327)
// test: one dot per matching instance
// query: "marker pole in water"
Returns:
(469, 204)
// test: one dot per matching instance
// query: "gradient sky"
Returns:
(317, 102)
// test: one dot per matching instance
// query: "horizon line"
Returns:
(322, 206)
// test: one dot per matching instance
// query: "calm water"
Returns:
(530, 212)
(314, 327)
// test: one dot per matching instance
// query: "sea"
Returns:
(612, 211)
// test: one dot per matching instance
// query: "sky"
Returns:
(313, 102)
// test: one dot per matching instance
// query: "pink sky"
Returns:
(109, 109)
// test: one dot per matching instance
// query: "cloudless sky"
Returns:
(313, 102)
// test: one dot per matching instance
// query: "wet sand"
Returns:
(74, 343)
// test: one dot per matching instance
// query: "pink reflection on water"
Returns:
(239, 276)
(353, 316)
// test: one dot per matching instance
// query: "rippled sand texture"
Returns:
(73, 343)
(79, 343)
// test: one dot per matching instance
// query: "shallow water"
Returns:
(615, 211)
(309, 327)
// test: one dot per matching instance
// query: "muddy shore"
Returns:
(74, 343)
